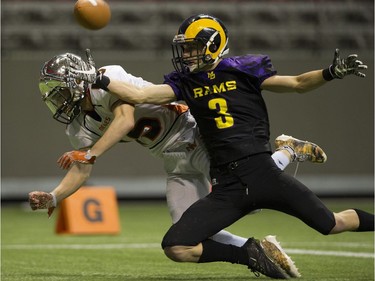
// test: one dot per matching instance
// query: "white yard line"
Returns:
(329, 253)
(157, 246)
(331, 244)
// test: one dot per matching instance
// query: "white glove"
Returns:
(81, 70)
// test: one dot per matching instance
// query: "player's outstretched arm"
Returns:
(155, 94)
(121, 125)
(86, 71)
(302, 83)
(311, 80)
(72, 181)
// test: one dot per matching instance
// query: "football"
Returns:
(92, 14)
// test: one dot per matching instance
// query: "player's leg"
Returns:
(203, 219)
(353, 220)
(270, 188)
(186, 240)
(182, 191)
(201, 163)
(298, 150)
(301, 202)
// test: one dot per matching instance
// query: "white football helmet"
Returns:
(62, 94)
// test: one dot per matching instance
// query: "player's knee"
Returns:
(327, 229)
(326, 225)
(176, 253)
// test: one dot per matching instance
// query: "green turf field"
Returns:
(32, 251)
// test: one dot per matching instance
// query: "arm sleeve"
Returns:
(259, 66)
(172, 79)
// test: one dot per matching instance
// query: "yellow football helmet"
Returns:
(200, 42)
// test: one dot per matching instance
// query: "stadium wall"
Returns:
(298, 37)
(339, 117)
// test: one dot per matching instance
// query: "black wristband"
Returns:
(102, 82)
(327, 75)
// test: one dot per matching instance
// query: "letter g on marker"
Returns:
(92, 210)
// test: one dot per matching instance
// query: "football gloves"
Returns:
(342, 67)
(68, 158)
(86, 71)
(81, 70)
(42, 200)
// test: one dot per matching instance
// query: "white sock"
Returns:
(282, 161)
(226, 237)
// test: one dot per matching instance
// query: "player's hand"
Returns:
(42, 200)
(80, 70)
(350, 65)
(68, 158)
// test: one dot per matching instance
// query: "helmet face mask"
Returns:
(62, 95)
(200, 42)
(188, 55)
(59, 101)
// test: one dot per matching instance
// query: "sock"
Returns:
(366, 221)
(215, 251)
(281, 160)
(226, 237)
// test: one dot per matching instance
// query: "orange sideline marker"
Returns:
(91, 210)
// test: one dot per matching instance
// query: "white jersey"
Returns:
(168, 131)
(161, 128)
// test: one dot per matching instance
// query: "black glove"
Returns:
(342, 67)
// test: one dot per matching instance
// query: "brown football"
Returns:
(92, 14)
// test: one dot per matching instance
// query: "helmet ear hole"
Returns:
(212, 48)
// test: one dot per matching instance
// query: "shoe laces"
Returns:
(291, 151)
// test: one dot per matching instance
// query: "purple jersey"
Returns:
(228, 106)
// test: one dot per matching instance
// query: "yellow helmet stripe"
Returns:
(195, 27)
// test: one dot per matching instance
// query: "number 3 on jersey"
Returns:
(225, 120)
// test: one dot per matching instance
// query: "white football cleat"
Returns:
(301, 150)
(273, 249)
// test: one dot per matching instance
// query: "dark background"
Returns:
(298, 36)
